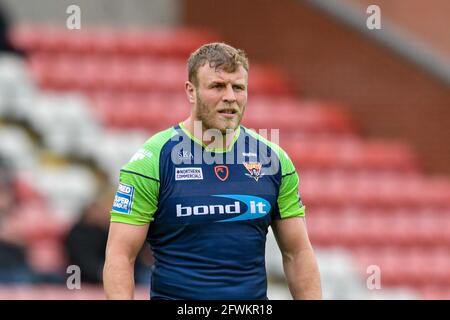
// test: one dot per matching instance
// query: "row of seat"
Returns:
(350, 153)
(144, 73)
(415, 266)
(356, 228)
(296, 116)
(435, 292)
(380, 211)
(156, 111)
(103, 40)
(61, 292)
(373, 189)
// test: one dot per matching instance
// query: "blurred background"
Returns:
(364, 114)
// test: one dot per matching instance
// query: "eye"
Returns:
(238, 88)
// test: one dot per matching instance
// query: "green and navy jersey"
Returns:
(208, 210)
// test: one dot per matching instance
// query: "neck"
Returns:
(212, 139)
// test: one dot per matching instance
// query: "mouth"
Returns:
(227, 113)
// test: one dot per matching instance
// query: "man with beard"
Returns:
(203, 194)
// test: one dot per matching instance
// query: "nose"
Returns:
(229, 95)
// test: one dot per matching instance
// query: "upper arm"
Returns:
(289, 200)
(289, 226)
(126, 239)
(291, 235)
(135, 203)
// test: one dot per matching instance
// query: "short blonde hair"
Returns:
(219, 55)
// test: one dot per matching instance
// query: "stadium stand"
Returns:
(65, 123)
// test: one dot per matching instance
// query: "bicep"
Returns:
(126, 239)
(291, 235)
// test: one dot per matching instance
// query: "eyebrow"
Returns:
(216, 82)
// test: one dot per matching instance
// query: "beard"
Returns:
(211, 119)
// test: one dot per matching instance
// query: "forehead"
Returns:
(206, 74)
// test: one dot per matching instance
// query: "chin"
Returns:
(229, 127)
(224, 126)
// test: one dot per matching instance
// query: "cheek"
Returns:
(209, 100)
(242, 99)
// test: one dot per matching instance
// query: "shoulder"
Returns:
(146, 159)
(156, 142)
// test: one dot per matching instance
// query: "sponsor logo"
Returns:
(188, 174)
(254, 169)
(256, 208)
(123, 200)
(211, 209)
(221, 172)
(185, 155)
(249, 154)
(141, 154)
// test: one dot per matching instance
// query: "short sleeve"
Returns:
(289, 200)
(136, 199)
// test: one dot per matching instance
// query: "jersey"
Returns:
(208, 210)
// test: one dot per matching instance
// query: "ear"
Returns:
(190, 91)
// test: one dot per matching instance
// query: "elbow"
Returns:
(288, 257)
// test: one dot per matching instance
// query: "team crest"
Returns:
(254, 169)
(221, 172)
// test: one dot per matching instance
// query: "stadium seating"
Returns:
(55, 292)
(97, 95)
(155, 42)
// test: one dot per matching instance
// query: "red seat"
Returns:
(439, 265)
(40, 67)
(141, 74)
(386, 259)
(435, 292)
(32, 38)
(268, 80)
(382, 154)
(103, 41)
(322, 228)
(161, 42)
(437, 192)
(348, 152)
(351, 228)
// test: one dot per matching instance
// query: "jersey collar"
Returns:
(217, 150)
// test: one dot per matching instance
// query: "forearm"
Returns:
(118, 278)
(302, 275)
